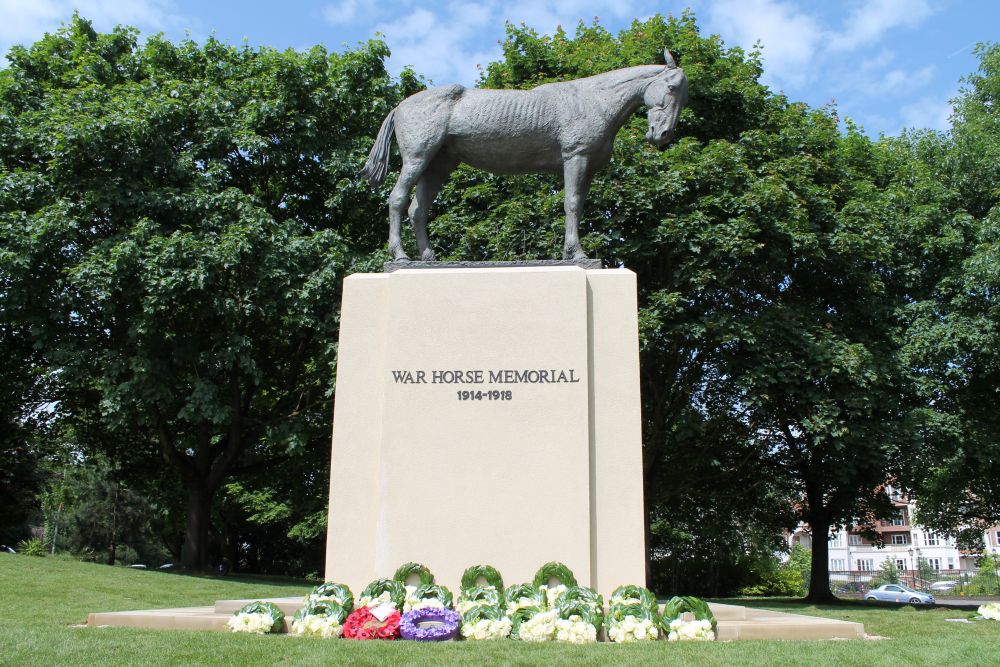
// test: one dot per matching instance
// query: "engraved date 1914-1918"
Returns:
(493, 395)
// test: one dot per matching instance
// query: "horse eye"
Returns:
(672, 87)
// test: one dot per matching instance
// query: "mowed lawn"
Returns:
(43, 600)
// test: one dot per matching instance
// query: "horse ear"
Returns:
(668, 59)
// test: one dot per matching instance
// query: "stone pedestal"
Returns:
(488, 416)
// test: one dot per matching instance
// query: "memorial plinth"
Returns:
(488, 415)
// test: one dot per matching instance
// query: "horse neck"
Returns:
(623, 89)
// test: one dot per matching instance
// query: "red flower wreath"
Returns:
(362, 624)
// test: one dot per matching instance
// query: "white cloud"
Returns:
(871, 19)
(348, 11)
(790, 37)
(26, 21)
(928, 112)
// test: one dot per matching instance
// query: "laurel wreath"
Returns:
(269, 608)
(617, 614)
(406, 570)
(676, 606)
(554, 570)
(518, 591)
(325, 608)
(434, 592)
(339, 593)
(472, 575)
(633, 592)
(396, 590)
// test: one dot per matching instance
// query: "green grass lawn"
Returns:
(43, 599)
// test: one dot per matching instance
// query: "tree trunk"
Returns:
(194, 553)
(113, 547)
(819, 575)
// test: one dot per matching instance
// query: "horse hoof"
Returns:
(428, 256)
(401, 258)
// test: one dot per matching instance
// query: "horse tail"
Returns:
(377, 165)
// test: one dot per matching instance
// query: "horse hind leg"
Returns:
(399, 198)
(430, 183)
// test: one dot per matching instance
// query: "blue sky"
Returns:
(888, 64)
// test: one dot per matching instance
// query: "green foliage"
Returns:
(407, 570)
(554, 571)
(32, 547)
(987, 579)
(787, 579)
(175, 222)
(887, 573)
(482, 575)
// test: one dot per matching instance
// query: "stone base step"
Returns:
(734, 622)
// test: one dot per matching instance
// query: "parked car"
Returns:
(943, 586)
(898, 593)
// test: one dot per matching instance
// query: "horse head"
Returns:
(665, 96)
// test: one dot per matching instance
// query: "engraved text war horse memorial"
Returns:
(565, 128)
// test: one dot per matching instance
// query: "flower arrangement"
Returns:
(702, 628)
(482, 576)
(486, 622)
(426, 597)
(319, 618)
(258, 618)
(432, 624)
(539, 627)
(363, 624)
(575, 630)
(681, 630)
(477, 596)
(631, 595)
(990, 610)
(333, 592)
(552, 593)
(383, 591)
(521, 596)
(632, 622)
(407, 570)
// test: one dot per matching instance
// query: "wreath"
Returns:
(395, 590)
(488, 573)
(676, 606)
(480, 596)
(407, 570)
(442, 625)
(362, 624)
(513, 595)
(324, 608)
(338, 593)
(632, 592)
(581, 595)
(619, 612)
(433, 592)
(519, 616)
(554, 570)
(264, 609)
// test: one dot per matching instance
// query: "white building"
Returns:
(905, 543)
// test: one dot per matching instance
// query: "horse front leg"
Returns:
(577, 183)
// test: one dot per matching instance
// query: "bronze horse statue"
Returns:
(566, 127)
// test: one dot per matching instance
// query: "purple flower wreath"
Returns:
(409, 628)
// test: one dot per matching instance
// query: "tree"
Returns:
(763, 251)
(177, 219)
(953, 333)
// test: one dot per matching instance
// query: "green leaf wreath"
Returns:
(269, 608)
(396, 590)
(554, 570)
(530, 591)
(434, 592)
(472, 575)
(633, 592)
(338, 593)
(325, 608)
(676, 606)
(406, 570)
(618, 612)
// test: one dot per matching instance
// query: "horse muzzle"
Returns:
(660, 139)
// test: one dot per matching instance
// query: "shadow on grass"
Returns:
(243, 578)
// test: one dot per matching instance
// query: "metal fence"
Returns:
(941, 583)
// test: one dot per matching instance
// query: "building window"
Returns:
(951, 563)
(998, 537)
(935, 563)
(854, 540)
(900, 538)
(900, 564)
(866, 565)
(835, 540)
(931, 539)
(837, 564)
(899, 518)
